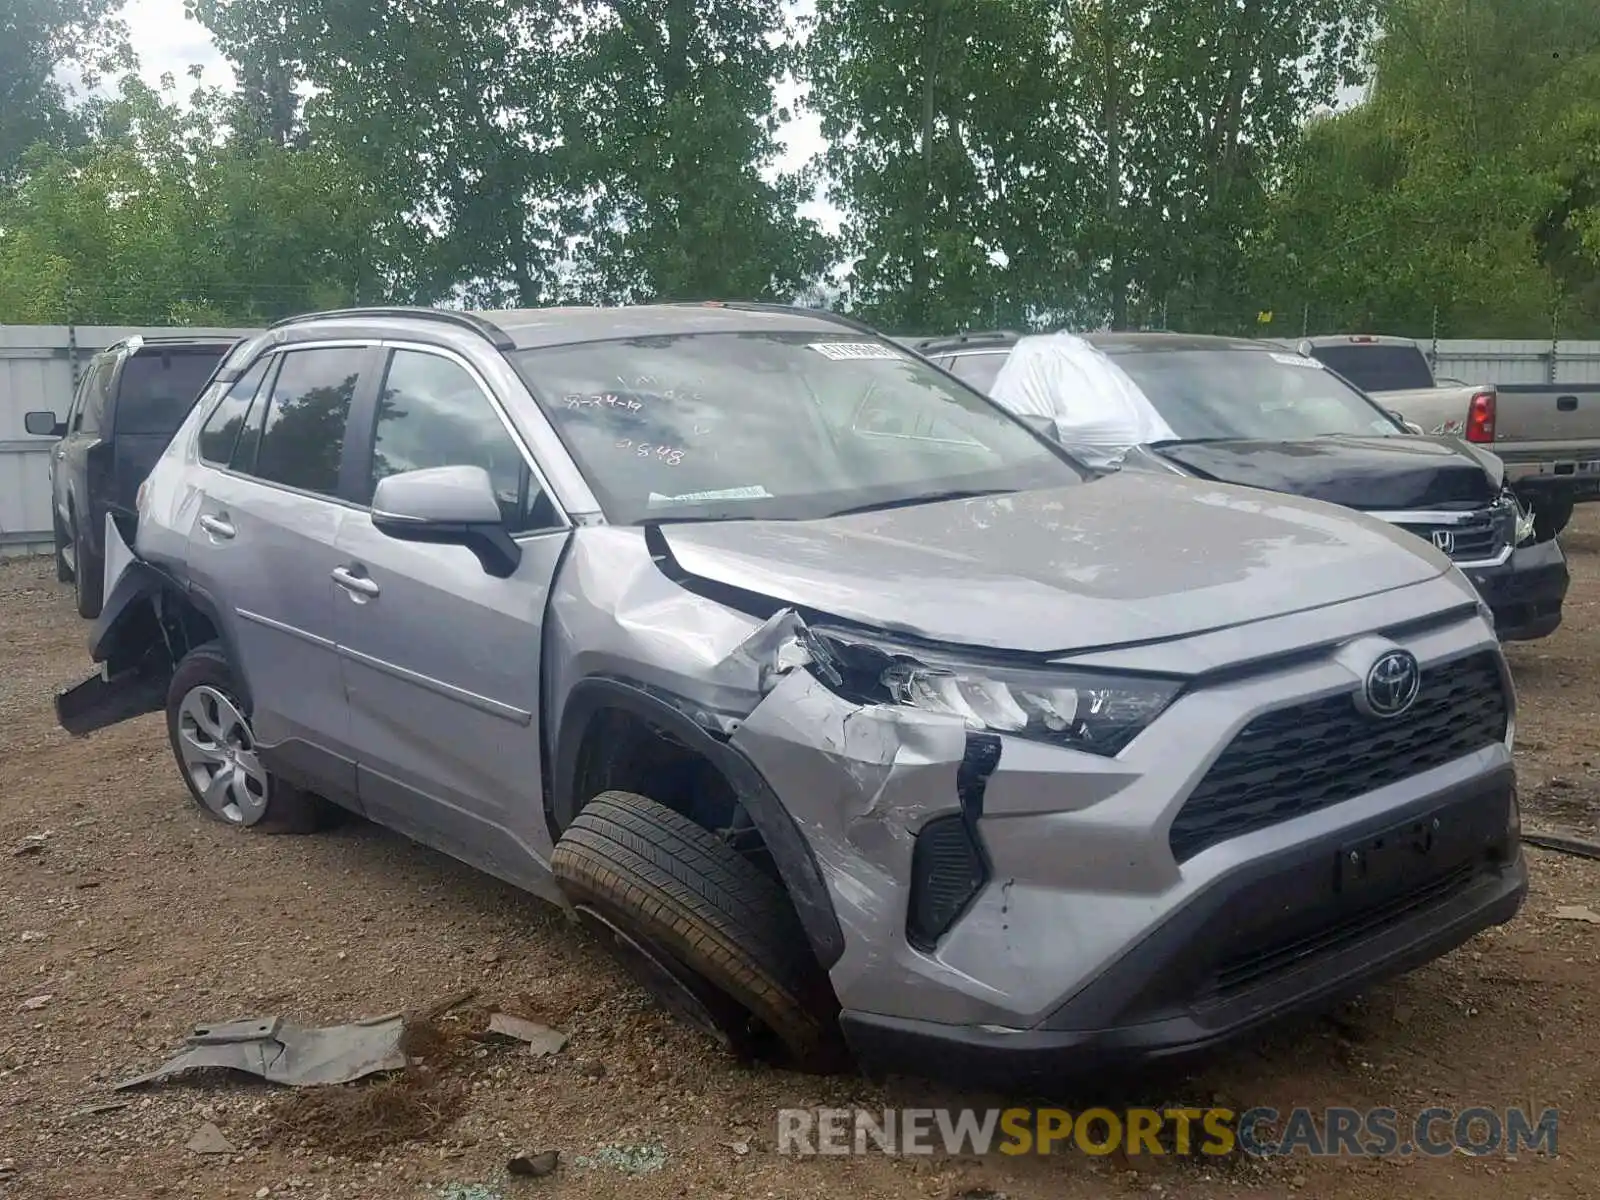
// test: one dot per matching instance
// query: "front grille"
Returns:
(1298, 760)
(1481, 538)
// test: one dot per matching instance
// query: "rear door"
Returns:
(155, 390)
(81, 464)
(262, 548)
(442, 660)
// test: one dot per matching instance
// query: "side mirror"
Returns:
(447, 506)
(44, 424)
(1408, 426)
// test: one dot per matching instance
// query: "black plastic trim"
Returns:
(788, 847)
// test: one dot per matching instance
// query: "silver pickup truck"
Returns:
(1547, 434)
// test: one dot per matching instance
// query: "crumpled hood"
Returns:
(1123, 558)
(1369, 473)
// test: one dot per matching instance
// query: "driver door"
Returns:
(441, 661)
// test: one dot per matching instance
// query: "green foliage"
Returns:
(1462, 196)
(161, 221)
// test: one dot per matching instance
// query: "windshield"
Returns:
(771, 425)
(1374, 367)
(158, 388)
(1252, 395)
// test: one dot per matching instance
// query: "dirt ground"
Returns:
(138, 918)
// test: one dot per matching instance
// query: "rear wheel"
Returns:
(87, 575)
(208, 724)
(701, 927)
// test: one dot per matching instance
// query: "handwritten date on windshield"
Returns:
(670, 455)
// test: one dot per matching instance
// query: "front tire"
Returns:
(63, 568)
(208, 725)
(1551, 516)
(714, 939)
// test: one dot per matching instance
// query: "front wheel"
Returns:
(208, 724)
(714, 939)
(63, 566)
(1551, 515)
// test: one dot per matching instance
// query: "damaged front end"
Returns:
(132, 642)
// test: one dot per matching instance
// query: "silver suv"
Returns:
(854, 713)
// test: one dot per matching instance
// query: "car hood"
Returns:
(1128, 557)
(1370, 473)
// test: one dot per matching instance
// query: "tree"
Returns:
(38, 40)
(1460, 197)
(164, 219)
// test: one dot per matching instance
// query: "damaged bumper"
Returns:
(128, 643)
(1084, 906)
(1526, 592)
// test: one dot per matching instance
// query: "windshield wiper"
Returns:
(923, 498)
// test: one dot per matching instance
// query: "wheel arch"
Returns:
(593, 701)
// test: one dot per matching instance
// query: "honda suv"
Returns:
(856, 715)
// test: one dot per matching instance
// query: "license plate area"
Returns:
(1385, 864)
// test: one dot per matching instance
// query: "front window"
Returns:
(1252, 395)
(787, 426)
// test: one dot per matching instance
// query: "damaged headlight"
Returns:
(1094, 712)
(1516, 518)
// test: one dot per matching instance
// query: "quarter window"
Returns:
(302, 433)
(432, 413)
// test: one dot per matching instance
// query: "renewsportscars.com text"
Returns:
(1258, 1132)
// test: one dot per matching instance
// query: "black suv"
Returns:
(130, 400)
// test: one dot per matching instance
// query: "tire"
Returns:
(711, 936)
(63, 569)
(1551, 517)
(258, 800)
(88, 576)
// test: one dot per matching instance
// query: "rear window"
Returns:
(158, 387)
(1378, 368)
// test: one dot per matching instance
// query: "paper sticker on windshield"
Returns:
(741, 493)
(852, 351)
(1297, 360)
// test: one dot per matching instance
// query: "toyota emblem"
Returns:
(1392, 684)
(1445, 540)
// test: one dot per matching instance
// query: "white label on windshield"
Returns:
(1298, 360)
(757, 492)
(843, 351)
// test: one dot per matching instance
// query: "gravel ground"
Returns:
(138, 918)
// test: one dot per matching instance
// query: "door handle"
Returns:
(359, 586)
(1566, 403)
(217, 526)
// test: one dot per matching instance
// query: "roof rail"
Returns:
(797, 310)
(461, 320)
(971, 338)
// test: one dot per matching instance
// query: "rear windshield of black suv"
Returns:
(158, 387)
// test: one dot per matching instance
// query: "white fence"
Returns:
(1483, 361)
(39, 369)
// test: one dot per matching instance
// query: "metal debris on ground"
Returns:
(34, 843)
(539, 1039)
(534, 1166)
(208, 1139)
(270, 1048)
(1577, 912)
(629, 1159)
(467, 1191)
(35, 1003)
